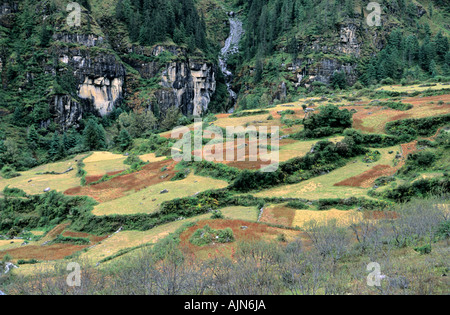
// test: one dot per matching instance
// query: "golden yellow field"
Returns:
(323, 186)
(33, 183)
(342, 217)
(414, 88)
(100, 163)
(148, 200)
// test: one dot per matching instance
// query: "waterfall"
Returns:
(231, 47)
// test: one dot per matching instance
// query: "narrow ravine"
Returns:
(231, 47)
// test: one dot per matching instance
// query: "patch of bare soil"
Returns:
(151, 174)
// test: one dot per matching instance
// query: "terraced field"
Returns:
(36, 180)
(149, 199)
(143, 191)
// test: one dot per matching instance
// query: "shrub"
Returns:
(372, 157)
(423, 250)
(207, 235)
(217, 214)
(253, 113)
(297, 204)
(225, 236)
(9, 172)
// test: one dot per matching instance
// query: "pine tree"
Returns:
(55, 148)
(32, 138)
(124, 140)
(94, 136)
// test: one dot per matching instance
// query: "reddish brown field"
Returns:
(50, 252)
(54, 251)
(278, 215)
(254, 232)
(366, 179)
(247, 163)
(409, 148)
(92, 179)
(379, 215)
(117, 187)
(423, 107)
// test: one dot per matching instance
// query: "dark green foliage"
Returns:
(132, 159)
(338, 80)
(348, 203)
(211, 169)
(408, 129)
(330, 120)
(217, 214)
(420, 188)
(323, 158)
(406, 57)
(384, 180)
(71, 240)
(94, 136)
(395, 105)
(153, 21)
(40, 210)
(423, 250)
(443, 231)
(421, 159)
(252, 113)
(9, 172)
(124, 140)
(207, 235)
(13, 192)
(372, 157)
(27, 262)
(296, 204)
(57, 149)
(371, 140)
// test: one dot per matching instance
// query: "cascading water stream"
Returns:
(231, 47)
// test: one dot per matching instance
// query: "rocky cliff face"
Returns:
(190, 86)
(185, 83)
(102, 79)
(99, 78)
(96, 63)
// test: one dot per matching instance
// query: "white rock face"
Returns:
(204, 86)
(190, 84)
(103, 92)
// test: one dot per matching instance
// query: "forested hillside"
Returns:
(290, 45)
(156, 62)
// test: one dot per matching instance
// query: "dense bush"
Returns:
(395, 105)
(421, 188)
(328, 121)
(9, 172)
(207, 235)
(425, 127)
(247, 113)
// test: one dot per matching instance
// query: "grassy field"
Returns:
(415, 87)
(129, 239)
(324, 186)
(100, 163)
(342, 217)
(148, 200)
(373, 119)
(300, 148)
(33, 183)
